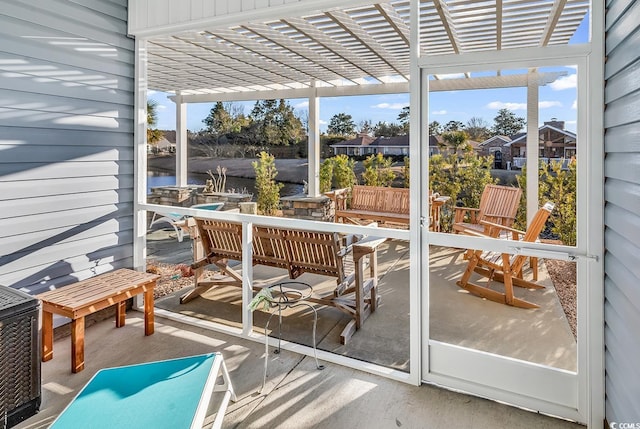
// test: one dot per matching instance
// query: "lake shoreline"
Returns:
(289, 170)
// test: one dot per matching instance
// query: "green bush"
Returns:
(267, 188)
(377, 171)
(558, 186)
(462, 178)
(337, 172)
(406, 171)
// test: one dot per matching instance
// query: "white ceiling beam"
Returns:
(552, 21)
(486, 82)
(395, 20)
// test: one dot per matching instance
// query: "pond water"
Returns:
(237, 184)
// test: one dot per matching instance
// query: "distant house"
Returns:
(554, 143)
(397, 145)
(167, 144)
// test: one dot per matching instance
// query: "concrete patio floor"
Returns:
(541, 336)
(296, 396)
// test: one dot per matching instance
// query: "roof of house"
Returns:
(361, 140)
(519, 138)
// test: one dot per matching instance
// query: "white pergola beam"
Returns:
(181, 142)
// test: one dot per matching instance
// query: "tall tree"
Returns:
(453, 126)
(477, 129)
(341, 124)
(153, 135)
(365, 127)
(274, 123)
(384, 129)
(404, 117)
(225, 118)
(506, 123)
(435, 129)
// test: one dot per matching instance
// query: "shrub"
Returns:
(558, 186)
(461, 178)
(406, 171)
(267, 188)
(337, 172)
(377, 171)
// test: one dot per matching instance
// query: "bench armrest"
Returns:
(461, 211)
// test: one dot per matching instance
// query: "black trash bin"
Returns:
(20, 387)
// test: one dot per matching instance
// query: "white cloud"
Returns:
(522, 106)
(439, 112)
(323, 122)
(574, 106)
(565, 82)
(161, 106)
(151, 92)
(301, 105)
(510, 106)
(391, 106)
(549, 104)
(570, 122)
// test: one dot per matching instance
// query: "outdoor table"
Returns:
(165, 394)
(80, 299)
(282, 296)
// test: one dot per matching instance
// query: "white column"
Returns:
(532, 145)
(140, 161)
(313, 157)
(181, 142)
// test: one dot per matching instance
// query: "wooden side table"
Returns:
(80, 299)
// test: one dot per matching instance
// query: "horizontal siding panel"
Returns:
(625, 195)
(58, 203)
(16, 136)
(81, 250)
(625, 24)
(625, 82)
(615, 10)
(623, 110)
(626, 311)
(76, 276)
(19, 39)
(64, 186)
(618, 55)
(56, 154)
(51, 86)
(16, 66)
(625, 138)
(76, 220)
(618, 403)
(52, 120)
(43, 277)
(113, 9)
(42, 171)
(623, 166)
(20, 246)
(69, 17)
(622, 277)
(627, 253)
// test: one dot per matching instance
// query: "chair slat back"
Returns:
(220, 238)
(380, 199)
(499, 204)
(269, 247)
(533, 233)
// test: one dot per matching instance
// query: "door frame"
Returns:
(584, 389)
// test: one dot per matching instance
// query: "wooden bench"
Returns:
(376, 203)
(298, 252)
(80, 299)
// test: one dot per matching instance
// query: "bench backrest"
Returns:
(298, 251)
(380, 199)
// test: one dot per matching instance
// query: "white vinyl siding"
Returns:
(66, 141)
(622, 211)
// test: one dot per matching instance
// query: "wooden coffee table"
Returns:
(80, 299)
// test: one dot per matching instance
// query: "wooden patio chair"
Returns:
(498, 204)
(504, 267)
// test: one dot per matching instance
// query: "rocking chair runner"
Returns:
(504, 267)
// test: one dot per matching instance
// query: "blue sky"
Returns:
(557, 100)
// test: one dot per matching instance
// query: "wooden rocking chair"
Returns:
(498, 204)
(504, 267)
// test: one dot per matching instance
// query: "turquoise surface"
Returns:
(161, 394)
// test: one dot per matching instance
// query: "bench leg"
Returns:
(77, 344)
(148, 312)
(47, 336)
(121, 314)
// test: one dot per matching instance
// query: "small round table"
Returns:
(288, 295)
